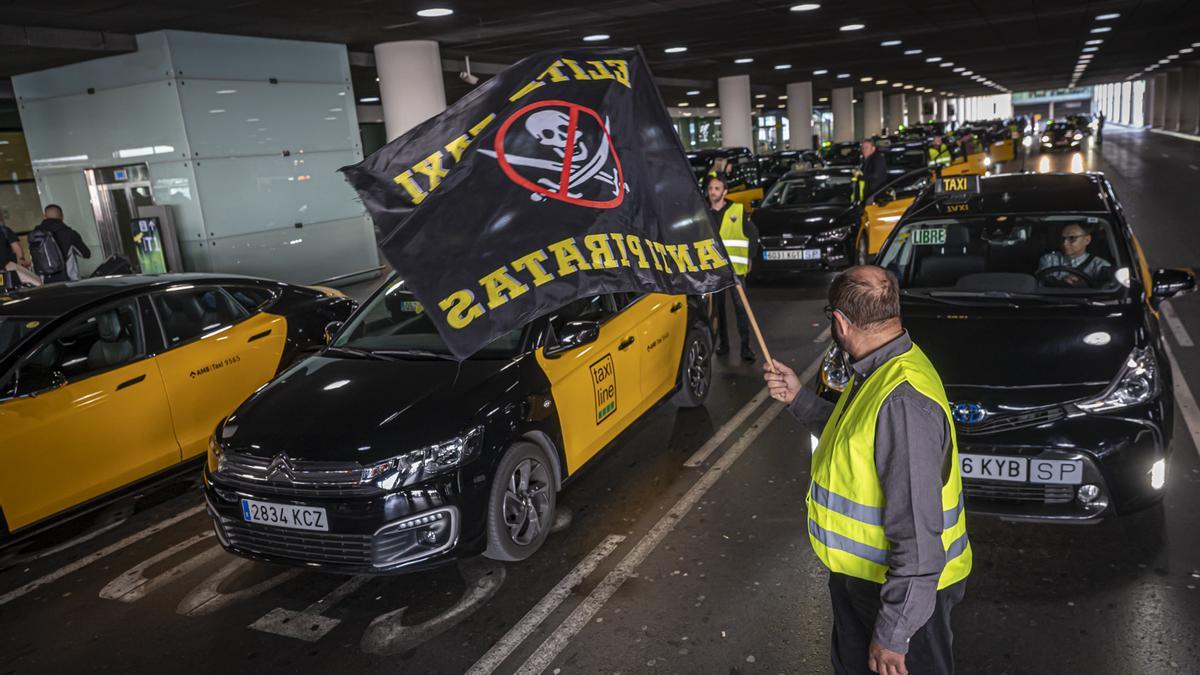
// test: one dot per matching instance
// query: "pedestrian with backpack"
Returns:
(55, 248)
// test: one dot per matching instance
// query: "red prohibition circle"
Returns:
(574, 109)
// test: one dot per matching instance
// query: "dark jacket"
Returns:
(67, 240)
(874, 169)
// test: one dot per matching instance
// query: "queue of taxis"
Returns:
(431, 459)
(109, 384)
(1031, 294)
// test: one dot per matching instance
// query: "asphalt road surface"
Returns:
(668, 562)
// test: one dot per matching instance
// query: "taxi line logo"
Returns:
(604, 382)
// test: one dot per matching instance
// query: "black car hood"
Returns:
(773, 221)
(354, 409)
(1025, 356)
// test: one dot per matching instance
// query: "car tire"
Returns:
(695, 369)
(521, 504)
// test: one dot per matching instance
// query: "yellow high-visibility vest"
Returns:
(939, 156)
(733, 235)
(845, 499)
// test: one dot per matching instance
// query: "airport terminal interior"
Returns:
(433, 336)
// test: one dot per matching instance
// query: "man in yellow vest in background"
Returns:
(939, 152)
(729, 221)
(885, 505)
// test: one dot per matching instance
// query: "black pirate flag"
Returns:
(559, 178)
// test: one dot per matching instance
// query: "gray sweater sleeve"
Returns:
(912, 450)
(811, 410)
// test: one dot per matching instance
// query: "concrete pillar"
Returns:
(1158, 101)
(872, 113)
(733, 97)
(410, 83)
(1174, 99)
(944, 110)
(843, 114)
(799, 113)
(895, 111)
(1189, 116)
(914, 109)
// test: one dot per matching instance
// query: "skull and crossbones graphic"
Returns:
(550, 128)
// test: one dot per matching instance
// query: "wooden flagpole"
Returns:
(762, 344)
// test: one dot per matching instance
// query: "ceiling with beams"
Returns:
(1015, 44)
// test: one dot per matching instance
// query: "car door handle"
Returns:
(130, 383)
(625, 343)
(259, 336)
(676, 307)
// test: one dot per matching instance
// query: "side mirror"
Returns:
(331, 329)
(574, 334)
(32, 381)
(1168, 283)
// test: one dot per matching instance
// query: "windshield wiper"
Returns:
(1010, 295)
(421, 353)
(362, 353)
(964, 300)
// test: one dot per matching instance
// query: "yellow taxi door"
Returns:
(662, 321)
(83, 420)
(880, 220)
(216, 357)
(597, 386)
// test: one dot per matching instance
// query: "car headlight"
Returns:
(987, 161)
(835, 372)
(1138, 382)
(417, 465)
(1045, 139)
(833, 235)
(216, 456)
(1077, 136)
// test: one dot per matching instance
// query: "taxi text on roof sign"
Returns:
(957, 188)
(560, 178)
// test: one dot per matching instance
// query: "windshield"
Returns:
(394, 323)
(1060, 256)
(810, 190)
(14, 330)
(843, 154)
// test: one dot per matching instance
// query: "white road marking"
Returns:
(389, 635)
(701, 456)
(102, 553)
(1176, 326)
(308, 624)
(208, 597)
(1185, 400)
(134, 585)
(583, 614)
(495, 656)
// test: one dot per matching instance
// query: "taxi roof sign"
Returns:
(958, 188)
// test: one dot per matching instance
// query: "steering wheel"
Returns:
(1044, 276)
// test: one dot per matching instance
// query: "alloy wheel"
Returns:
(526, 501)
(699, 368)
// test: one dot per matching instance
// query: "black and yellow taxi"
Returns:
(383, 453)
(807, 222)
(1031, 296)
(107, 384)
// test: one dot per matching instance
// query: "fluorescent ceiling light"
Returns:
(843, 76)
(783, 66)
(1172, 57)
(959, 69)
(710, 105)
(744, 59)
(1186, 50)
(908, 86)
(694, 92)
(897, 84)
(889, 43)
(760, 96)
(1094, 42)
(852, 26)
(1091, 49)
(782, 97)
(911, 52)
(968, 73)
(365, 99)
(820, 71)
(1102, 29)
(881, 81)
(823, 99)
(598, 37)
(675, 50)
(806, 7)
(681, 105)
(1108, 17)
(866, 79)
(933, 59)
(434, 12)
(945, 64)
